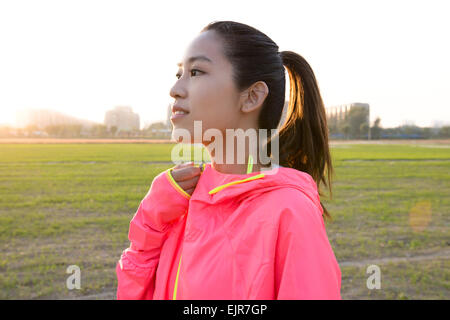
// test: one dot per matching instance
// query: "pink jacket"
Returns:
(238, 237)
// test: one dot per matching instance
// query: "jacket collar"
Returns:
(214, 187)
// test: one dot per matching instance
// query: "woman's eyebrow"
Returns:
(192, 59)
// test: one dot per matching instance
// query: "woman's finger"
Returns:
(188, 184)
(185, 173)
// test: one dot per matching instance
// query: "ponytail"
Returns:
(303, 137)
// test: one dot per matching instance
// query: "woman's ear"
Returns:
(253, 98)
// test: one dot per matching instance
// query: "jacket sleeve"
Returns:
(136, 269)
(305, 265)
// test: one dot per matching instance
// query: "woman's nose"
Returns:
(177, 91)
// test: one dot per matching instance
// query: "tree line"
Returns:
(355, 126)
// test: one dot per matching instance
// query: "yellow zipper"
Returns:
(176, 281)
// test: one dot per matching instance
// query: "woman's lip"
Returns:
(178, 115)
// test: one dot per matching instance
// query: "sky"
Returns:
(83, 58)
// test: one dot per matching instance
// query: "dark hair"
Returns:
(303, 137)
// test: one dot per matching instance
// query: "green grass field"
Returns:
(71, 204)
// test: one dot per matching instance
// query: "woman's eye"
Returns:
(192, 70)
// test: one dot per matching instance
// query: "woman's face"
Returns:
(205, 88)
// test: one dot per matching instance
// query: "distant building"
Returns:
(123, 118)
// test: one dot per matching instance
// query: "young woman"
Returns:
(233, 230)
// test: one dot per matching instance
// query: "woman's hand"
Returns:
(186, 176)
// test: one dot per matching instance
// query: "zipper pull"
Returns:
(250, 164)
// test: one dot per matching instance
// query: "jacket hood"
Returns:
(214, 187)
